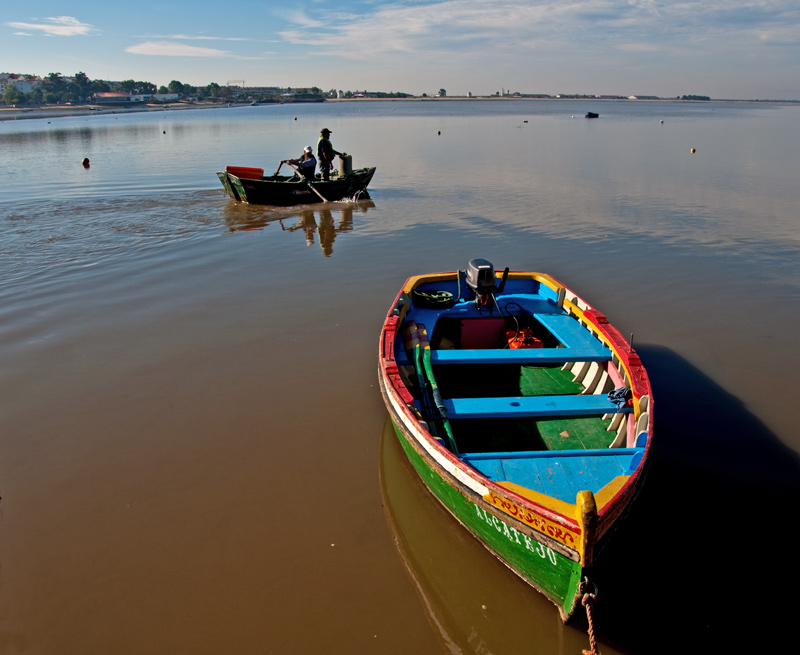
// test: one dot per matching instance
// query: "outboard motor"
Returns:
(482, 282)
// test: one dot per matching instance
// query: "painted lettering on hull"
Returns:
(536, 521)
(516, 536)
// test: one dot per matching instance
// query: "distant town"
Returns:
(20, 90)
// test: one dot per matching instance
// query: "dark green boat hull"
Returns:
(283, 191)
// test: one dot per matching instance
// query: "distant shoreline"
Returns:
(58, 111)
(552, 99)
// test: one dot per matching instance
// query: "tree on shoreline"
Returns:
(57, 89)
(13, 96)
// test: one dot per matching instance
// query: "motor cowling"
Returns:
(480, 276)
(481, 279)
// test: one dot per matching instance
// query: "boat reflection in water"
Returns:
(474, 603)
(315, 222)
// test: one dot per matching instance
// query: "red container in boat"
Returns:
(246, 173)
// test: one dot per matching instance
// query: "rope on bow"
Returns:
(587, 601)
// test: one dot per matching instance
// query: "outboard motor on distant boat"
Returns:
(482, 282)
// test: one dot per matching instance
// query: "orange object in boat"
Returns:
(522, 338)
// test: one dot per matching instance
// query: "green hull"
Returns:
(284, 191)
(548, 571)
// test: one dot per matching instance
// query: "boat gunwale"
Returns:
(268, 180)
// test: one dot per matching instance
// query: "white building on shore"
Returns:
(122, 98)
(24, 83)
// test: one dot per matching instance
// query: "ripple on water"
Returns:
(41, 237)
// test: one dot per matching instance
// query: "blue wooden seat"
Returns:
(552, 454)
(525, 406)
(568, 331)
(593, 353)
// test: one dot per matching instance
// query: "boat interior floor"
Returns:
(524, 433)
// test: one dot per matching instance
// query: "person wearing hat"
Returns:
(306, 163)
(326, 153)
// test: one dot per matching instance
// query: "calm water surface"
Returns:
(194, 454)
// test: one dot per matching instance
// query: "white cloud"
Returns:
(57, 26)
(452, 24)
(513, 25)
(299, 17)
(168, 49)
(186, 37)
(780, 36)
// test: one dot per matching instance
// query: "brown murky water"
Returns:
(194, 456)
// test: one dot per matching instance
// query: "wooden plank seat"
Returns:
(568, 331)
(552, 454)
(522, 355)
(538, 406)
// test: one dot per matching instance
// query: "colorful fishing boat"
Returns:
(249, 185)
(523, 411)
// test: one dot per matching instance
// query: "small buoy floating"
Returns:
(662, 122)
(85, 162)
(693, 151)
(439, 132)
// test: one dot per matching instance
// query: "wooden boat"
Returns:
(524, 412)
(249, 185)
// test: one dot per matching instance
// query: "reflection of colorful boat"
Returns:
(472, 605)
(525, 413)
(249, 185)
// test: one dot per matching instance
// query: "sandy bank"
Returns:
(25, 113)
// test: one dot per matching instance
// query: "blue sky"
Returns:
(721, 48)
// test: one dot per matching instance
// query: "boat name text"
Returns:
(516, 536)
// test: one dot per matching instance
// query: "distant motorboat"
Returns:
(591, 114)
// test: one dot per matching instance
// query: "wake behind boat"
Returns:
(251, 186)
(526, 414)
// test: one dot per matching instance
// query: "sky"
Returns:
(747, 49)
